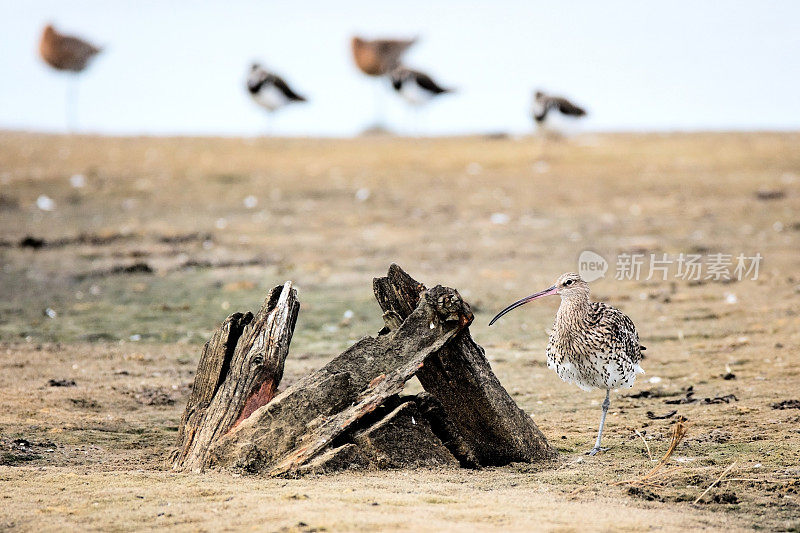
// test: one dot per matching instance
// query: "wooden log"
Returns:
(239, 371)
(492, 428)
(305, 419)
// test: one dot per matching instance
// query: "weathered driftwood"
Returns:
(492, 429)
(349, 414)
(306, 418)
(403, 438)
(239, 371)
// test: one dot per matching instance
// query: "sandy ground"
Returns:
(125, 277)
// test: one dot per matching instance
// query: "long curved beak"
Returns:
(532, 297)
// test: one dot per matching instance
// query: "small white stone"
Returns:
(541, 167)
(654, 379)
(78, 181)
(778, 226)
(135, 338)
(731, 298)
(473, 169)
(250, 201)
(45, 203)
(50, 313)
(348, 314)
(363, 194)
(499, 218)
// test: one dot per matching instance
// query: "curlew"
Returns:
(592, 345)
(67, 54)
(269, 90)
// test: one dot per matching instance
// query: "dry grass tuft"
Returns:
(678, 433)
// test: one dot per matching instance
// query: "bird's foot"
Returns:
(596, 450)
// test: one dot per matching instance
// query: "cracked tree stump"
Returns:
(305, 418)
(349, 413)
(491, 428)
(239, 371)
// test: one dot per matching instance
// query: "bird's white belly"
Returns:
(557, 123)
(570, 374)
(598, 372)
(270, 97)
(414, 94)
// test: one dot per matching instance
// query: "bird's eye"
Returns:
(568, 282)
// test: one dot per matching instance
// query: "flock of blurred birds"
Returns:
(378, 58)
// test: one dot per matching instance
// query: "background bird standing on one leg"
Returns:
(269, 90)
(67, 54)
(377, 58)
(592, 345)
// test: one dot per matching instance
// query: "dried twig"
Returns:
(649, 455)
(715, 482)
(677, 436)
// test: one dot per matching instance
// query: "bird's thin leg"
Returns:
(269, 126)
(72, 104)
(606, 403)
(379, 101)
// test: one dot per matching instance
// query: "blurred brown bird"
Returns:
(64, 52)
(380, 56)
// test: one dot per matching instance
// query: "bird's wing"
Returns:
(567, 107)
(286, 90)
(425, 81)
(619, 329)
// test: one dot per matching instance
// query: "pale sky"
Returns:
(178, 67)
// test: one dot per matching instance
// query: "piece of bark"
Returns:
(404, 439)
(239, 371)
(306, 418)
(345, 457)
(489, 422)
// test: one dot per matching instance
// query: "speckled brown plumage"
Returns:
(592, 345)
